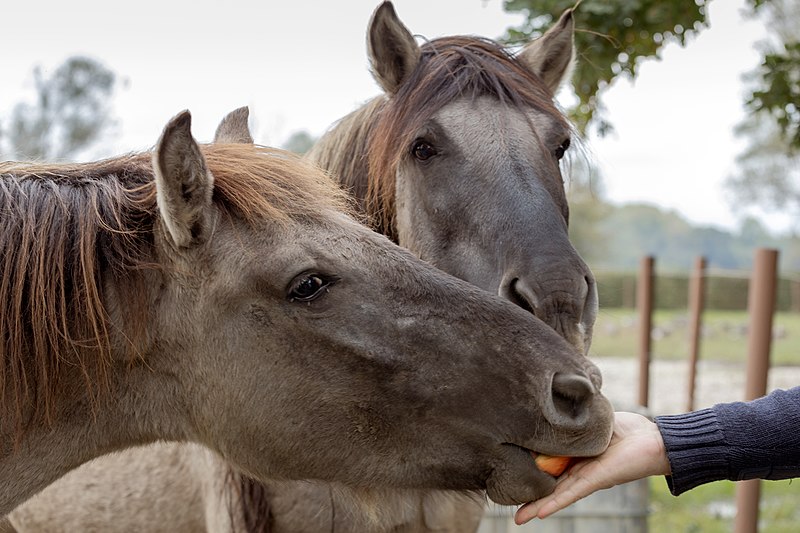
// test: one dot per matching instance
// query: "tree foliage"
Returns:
(299, 142)
(587, 210)
(776, 81)
(778, 93)
(612, 37)
(70, 112)
(768, 170)
(631, 231)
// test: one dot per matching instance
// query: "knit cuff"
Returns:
(695, 445)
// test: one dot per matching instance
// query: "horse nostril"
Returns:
(572, 393)
(517, 294)
(589, 311)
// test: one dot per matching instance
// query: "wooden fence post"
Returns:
(696, 303)
(761, 299)
(794, 294)
(644, 303)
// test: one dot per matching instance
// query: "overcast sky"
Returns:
(302, 65)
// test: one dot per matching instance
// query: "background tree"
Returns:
(612, 37)
(299, 142)
(633, 230)
(768, 173)
(71, 111)
(587, 206)
(777, 79)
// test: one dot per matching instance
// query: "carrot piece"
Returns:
(553, 465)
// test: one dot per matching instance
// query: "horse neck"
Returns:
(141, 406)
(343, 150)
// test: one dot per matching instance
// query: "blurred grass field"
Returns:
(724, 336)
(709, 508)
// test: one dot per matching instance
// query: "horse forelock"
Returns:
(449, 68)
(257, 183)
(68, 231)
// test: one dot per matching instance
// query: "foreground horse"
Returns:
(221, 296)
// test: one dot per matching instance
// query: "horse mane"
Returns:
(70, 233)
(344, 150)
(252, 508)
(449, 68)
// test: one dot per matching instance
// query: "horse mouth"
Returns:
(516, 478)
(552, 465)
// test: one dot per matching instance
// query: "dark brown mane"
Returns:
(449, 68)
(67, 232)
(252, 506)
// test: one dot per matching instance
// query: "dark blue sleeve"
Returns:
(735, 441)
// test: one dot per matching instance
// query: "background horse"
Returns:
(480, 195)
(459, 162)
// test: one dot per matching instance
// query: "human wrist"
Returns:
(660, 460)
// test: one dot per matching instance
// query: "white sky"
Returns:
(302, 65)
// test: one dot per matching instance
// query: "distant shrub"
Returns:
(722, 292)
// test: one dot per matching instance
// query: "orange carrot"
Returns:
(553, 465)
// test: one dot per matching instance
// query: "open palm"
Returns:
(636, 451)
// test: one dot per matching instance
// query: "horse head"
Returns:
(464, 165)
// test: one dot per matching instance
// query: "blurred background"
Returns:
(689, 113)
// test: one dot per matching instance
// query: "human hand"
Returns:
(636, 451)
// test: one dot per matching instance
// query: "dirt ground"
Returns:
(716, 382)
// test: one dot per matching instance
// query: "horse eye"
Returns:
(423, 150)
(307, 288)
(561, 150)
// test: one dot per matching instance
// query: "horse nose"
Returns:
(570, 296)
(522, 295)
(567, 304)
(571, 397)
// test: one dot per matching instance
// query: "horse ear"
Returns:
(393, 52)
(183, 182)
(234, 128)
(551, 56)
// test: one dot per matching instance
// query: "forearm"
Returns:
(735, 441)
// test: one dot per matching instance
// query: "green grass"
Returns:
(711, 508)
(725, 338)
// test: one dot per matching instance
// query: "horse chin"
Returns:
(515, 479)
